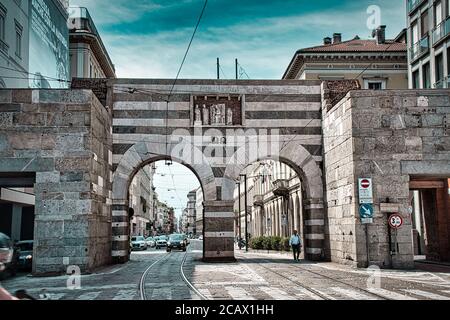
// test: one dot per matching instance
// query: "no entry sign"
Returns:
(365, 190)
(395, 221)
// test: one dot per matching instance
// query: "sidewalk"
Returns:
(270, 253)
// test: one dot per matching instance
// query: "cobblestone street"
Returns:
(156, 275)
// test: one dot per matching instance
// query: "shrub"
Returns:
(275, 241)
(285, 244)
(267, 243)
(256, 243)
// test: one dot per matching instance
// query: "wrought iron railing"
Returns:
(419, 48)
(413, 4)
(441, 31)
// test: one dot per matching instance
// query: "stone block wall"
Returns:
(64, 137)
(389, 136)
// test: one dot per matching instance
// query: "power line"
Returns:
(181, 67)
(223, 72)
(242, 72)
(372, 63)
(189, 47)
(32, 74)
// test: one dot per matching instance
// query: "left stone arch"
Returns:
(140, 155)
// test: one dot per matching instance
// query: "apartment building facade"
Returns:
(88, 55)
(429, 49)
(141, 200)
(377, 63)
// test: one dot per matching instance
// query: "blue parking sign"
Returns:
(366, 212)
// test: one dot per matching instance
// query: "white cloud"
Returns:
(264, 46)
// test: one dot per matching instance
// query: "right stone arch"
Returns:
(310, 173)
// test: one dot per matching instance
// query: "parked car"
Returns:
(176, 241)
(25, 248)
(200, 238)
(138, 243)
(151, 242)
(8, 256)
(161, 242)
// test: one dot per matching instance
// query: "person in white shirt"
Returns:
(296, 245)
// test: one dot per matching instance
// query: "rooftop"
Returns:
(358, 45)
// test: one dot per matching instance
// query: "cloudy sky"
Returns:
(148, 38)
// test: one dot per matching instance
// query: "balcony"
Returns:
(441, 31)
(281, 188)
(258, 200)
(444, 83)
(414, 4)
(420, 48)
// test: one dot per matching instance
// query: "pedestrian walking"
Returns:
(296, 245)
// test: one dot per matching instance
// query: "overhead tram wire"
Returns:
(180, 68)
(32, 74)
(371, 64)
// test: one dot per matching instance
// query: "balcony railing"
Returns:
(419, 48)
(441, 31)
(4, 46)
(413, 4)
(258, 200)
(444, 83)
(281, 187)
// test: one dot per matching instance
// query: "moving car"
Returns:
(8, 256)
(151, 242)
(138, 243)
(176, 241)
(161, 242)
(25, 248)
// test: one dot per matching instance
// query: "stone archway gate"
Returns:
(217, 128)
(82, 147)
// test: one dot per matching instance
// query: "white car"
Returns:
(161, 242)
(150, 242)
(138, 243)
(200, 238)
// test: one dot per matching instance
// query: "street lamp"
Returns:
(245, 208)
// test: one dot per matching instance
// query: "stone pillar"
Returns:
(120, 231)
(314, 229)
(16, 224)
(219, 231)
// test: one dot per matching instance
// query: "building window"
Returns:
(448, 64)
(2, 22)
(424, 24)
(374, 84)
(416, 82)
(19, 31)
(437, 13)
(439, 63)
(415, 32)
(426, 76)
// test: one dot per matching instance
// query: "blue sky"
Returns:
(147, 38)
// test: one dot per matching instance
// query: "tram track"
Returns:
(314, 291)
(166, 257)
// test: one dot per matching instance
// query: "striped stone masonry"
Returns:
(219, 231)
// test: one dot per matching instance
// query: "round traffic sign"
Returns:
(365, 183)
(395, 221)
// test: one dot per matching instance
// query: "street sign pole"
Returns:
(367, 245)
